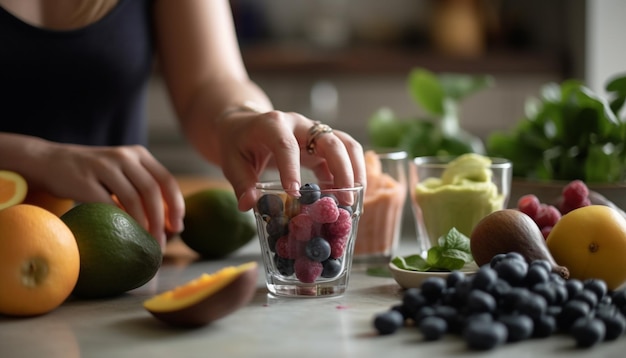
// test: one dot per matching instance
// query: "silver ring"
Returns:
(314, 132)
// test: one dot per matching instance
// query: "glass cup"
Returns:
(307, 242)
(383, 205)
(459, 196)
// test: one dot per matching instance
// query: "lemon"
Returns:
(116, 253)
(214, 226)
(591, 242)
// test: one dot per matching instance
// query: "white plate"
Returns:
(410, 279)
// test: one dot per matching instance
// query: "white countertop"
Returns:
(267, 327)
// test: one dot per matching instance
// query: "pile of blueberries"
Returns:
(509, 300)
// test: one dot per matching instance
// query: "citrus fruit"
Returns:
(206, 298)
(214, 226)
(39, 261)
(13, 188)
(591, 242)
(43, 199)
(116, 253)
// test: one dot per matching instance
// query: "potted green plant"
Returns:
(438, 132)
(568, 132)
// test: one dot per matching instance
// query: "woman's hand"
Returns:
(250, 142)
(128, 176)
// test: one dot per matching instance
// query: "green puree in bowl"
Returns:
(460, 198)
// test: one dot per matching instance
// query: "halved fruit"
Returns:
(13, 188)
(206, 298)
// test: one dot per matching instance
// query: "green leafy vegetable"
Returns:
(439, 95)
(451, 253)
(568, 133)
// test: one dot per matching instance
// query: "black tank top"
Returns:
(84, 86)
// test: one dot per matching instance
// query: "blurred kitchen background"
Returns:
(339, 61)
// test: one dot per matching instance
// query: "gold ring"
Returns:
(315, 131)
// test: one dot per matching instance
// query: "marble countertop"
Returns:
(266, 327)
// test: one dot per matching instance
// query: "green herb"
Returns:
(439, 133)
(451, 253)
(568, 133)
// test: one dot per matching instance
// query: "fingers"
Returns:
(146, 190)
(282, 139)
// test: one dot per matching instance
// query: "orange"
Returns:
(42, 198)
(591, 243)
(39, 261)
(13, 188)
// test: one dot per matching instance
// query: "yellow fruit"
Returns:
(591, 242)
(214, 226)
(13, 188)
(39, 261)
(116, 253)
(206, 298)
(57, 206)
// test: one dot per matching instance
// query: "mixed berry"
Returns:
(509, 300)
(573, 196)
(308, 236)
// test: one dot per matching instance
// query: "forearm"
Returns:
(211, 104)
(23, 154)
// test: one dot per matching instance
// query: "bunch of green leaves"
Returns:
(451, 253)
(439, 133)
(568, 133)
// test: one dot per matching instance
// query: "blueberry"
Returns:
(317, 249)
(284, 265)
(519, 326)
(482, 335)
(614, 322)
(485, 278)
(547, 291)
(454, 277)
(588, 331)
(512, 270)
(270, 205)
(433, 328)
(586, 296)
(596, 286)
(413, 300)
(388, 322)
(309, 193)
(496, 259)
(574, 286)
(277, 226)
(432, 288)
(480, 301)
(331, 268)
(423, 312)
(533, 305)
(536, 274)
(347, 208)
(544, 326)
(570, 312)
(542, 263)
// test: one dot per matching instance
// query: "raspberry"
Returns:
(529, 204)
(575, 192)
(566, 208)
(285, 248)
(306, 270)
(548, 215)
(337, 246)
(339, 228)
(301, 227)
(545, 231)
(324, 210)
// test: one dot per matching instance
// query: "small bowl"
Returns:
(414, 279)
(307, 238)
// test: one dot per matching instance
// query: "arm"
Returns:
(202, 66)
(140, 184)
